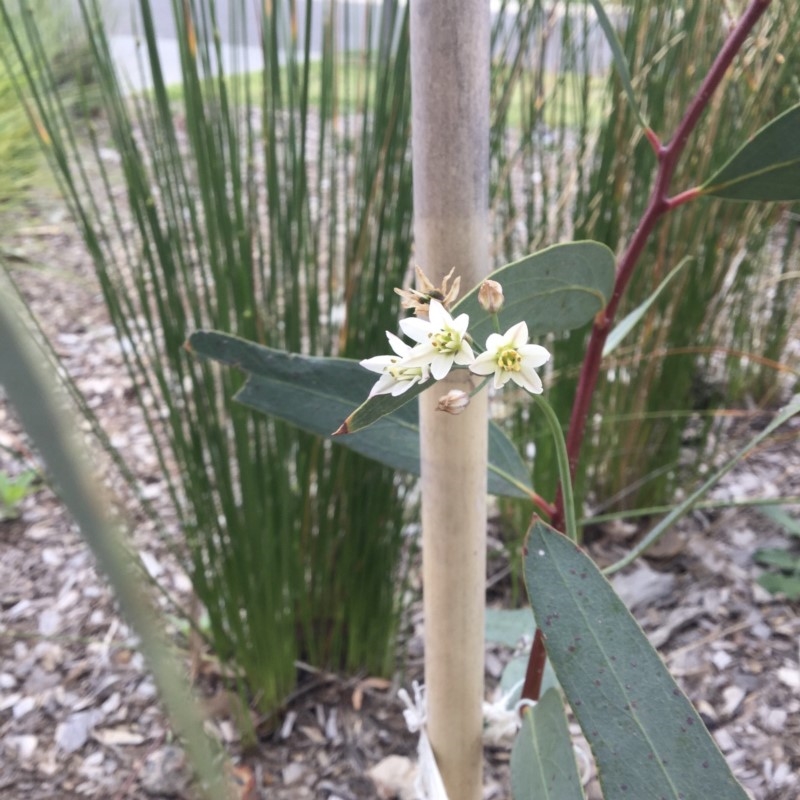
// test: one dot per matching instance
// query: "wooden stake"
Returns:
(450, 128)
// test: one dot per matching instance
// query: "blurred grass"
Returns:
(20, 152)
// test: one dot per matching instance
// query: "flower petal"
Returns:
(517, 335)
(415, 328)
(501, 377)
(397, 344)
(378, 363)
(403, 386)
(528, 379)
(441, 364)
(464, 356)
(384, 385)
(438, 316)
(534, 354)
(484, 364)
(495, 342)
(460, 323)
(419, 356)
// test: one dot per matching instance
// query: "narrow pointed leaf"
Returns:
(689, 502)
(543, 760)
(777, 583)
(765, 168)
(557, 289)
(315, 394)
(647, 739)
(779, 515)
(32, 390)
(626, 325)
(777, 557)
(620, 62)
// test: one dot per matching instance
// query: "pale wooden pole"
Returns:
(450, 142)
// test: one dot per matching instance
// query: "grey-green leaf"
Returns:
(776, 557)
(508, 625)
(647, 739)
(315, 394)
(555, 290)
(779, 515)
(765, 168)
(543, 760)
(777, 583)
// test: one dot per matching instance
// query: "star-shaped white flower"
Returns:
(396, 376)
(441, 340)
(510, 357)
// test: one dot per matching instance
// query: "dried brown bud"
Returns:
(490, 296)
(419, 299)
(454, 402)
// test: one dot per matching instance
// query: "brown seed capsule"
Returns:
(490, 296)
(454, 402)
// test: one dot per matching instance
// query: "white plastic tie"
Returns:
(429, 784)
(501, 720)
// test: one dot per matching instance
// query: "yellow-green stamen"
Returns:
(509, 360)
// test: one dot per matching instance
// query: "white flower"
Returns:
(396, 376)
(442, 340)
(511, 357)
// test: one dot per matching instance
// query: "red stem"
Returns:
(668, 156)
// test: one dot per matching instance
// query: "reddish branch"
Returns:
(660, 203)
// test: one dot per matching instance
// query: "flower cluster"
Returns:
(443, 342)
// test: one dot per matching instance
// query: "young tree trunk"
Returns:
(450, 128)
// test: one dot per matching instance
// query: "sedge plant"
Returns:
(248, 208)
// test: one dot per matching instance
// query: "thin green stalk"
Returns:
(681, 508)
(570, 525)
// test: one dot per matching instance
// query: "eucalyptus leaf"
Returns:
(647, 738)
(766, 168)
(779, 515)
(508, 625)
(776, 557)
(314, 394)
(777, 583)
(543, 759)
(555, 290)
